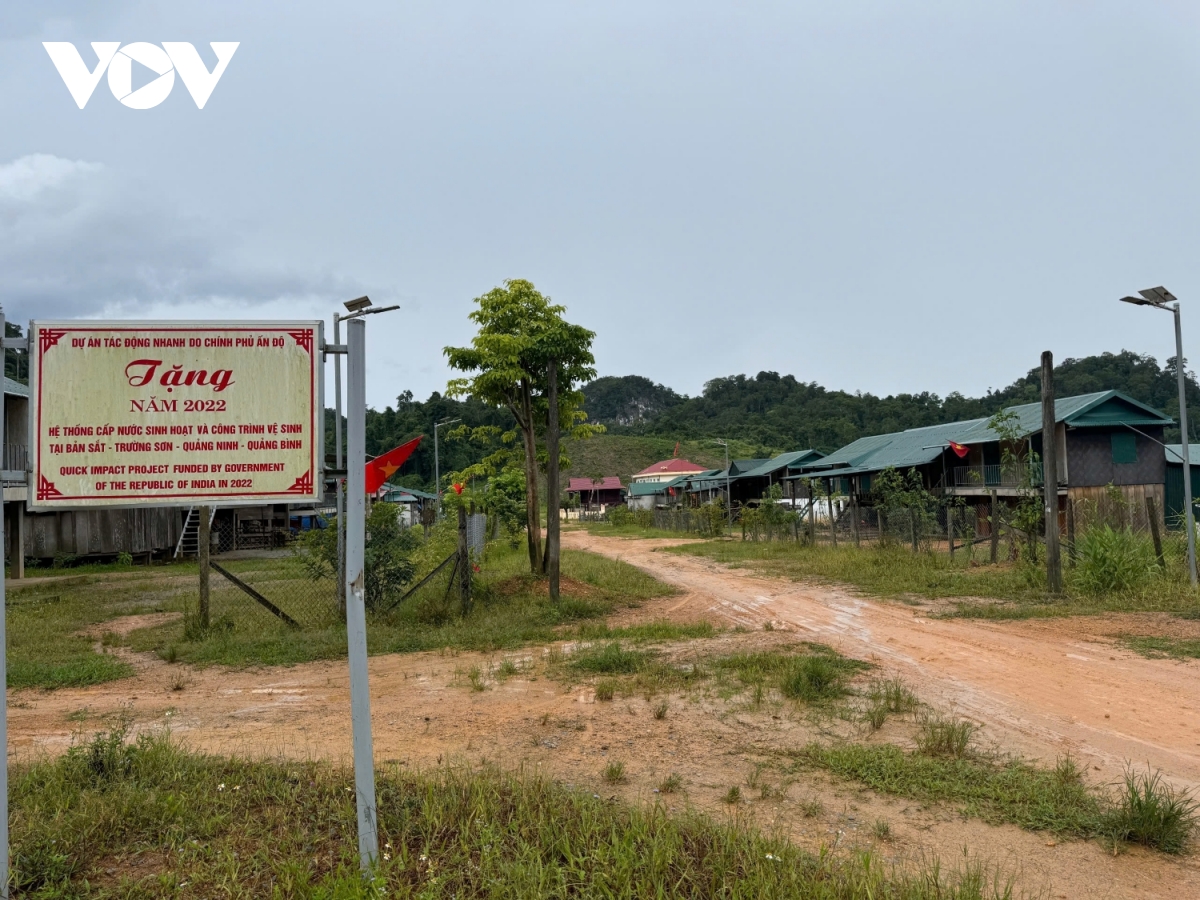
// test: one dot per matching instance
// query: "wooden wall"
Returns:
(102, 532)
(1093, 504)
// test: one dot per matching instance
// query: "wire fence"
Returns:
(279, 582)
(1004, 526)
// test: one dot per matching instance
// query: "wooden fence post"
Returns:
(832, 523)
(912, 528)
(1070, 532)
(995, 527)
(1152, 515)
(204, 548)
(464, 561)
(854, 516)
(950, 529)
(812, 516)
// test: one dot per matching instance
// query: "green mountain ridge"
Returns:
(761, 415)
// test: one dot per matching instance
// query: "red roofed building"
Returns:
(593, 493)
(668, 470)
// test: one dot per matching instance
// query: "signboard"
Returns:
(175, 413)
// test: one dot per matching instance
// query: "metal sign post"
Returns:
(355, 587)
(3, 667)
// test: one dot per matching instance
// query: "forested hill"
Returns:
(765, 413)
(779, 411)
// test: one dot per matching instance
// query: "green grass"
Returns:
(44, 647)
(1161, 647)
(151, 820)
(511, 610)
(807, 672)
(44, 619)
(648, 631)
(1011, 790)
(1003, 591)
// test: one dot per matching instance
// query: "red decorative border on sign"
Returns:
(48, 338)
(303, 485)
(304, 338)
(46, 489)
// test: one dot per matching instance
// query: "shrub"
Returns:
(1113, 561)
(814, 678)
(1152, 813)
(942, 736)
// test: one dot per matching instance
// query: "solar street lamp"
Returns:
(1161, 298)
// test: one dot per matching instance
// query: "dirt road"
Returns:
(1043, 688)
(1040, 688)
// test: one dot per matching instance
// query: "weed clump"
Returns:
(814, 678)
(606, 688)
(1152, 813)
(610, 659)
(944, 736)
(1113, 560)
(614, 772)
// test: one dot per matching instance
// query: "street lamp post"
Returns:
(437, 471)
(1161, 298)
(728, 495)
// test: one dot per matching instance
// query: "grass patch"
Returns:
(1161, 647)
(807, 672)
(996, 791)
(648, 631)
(149, 820)
(944, 736)
(1008, 590)
(609, 659)
(1145, 810)
(1153, 814)
(511, 610)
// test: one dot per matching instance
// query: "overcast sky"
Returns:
(877, 196)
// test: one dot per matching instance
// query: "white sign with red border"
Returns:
(175, 413)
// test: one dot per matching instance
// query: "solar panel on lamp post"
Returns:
(1161, 298)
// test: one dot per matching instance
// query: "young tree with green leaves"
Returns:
(526, 357)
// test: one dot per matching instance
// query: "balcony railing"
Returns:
(997, 476)
(16, 457)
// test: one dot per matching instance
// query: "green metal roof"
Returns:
(1174, 454)
(767, 466)
(647, 488)
(398, 489)
(15, 388)
(742, 466)
(918, 446)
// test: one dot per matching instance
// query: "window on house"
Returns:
(1124, 448)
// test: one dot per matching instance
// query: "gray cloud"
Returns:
(77, 240)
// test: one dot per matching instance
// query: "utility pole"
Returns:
(4, 658)
(1160, 298)
(339, 482)
(1050, 475)
(355, 590)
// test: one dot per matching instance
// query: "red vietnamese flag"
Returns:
(381, 468)
(961, 450)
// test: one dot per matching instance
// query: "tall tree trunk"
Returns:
(552, 491)
(533, 524)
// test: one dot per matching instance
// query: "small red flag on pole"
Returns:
(381, 468)
(961, 450)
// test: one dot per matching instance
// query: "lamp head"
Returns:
(357, 305)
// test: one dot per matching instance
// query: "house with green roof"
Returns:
(1104, 438)
(749, 479)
